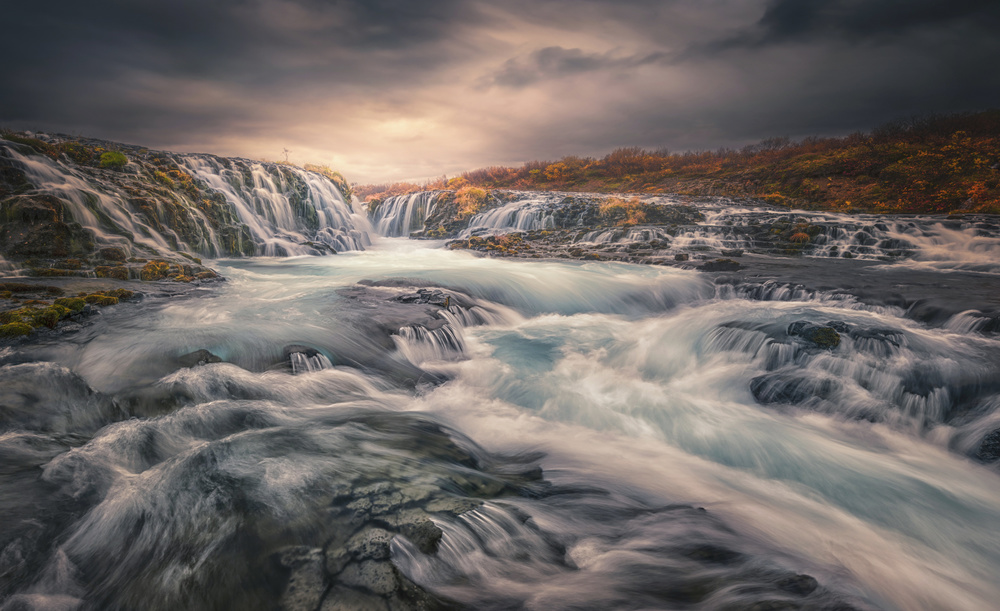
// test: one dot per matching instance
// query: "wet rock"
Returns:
(426, 296)
(307, 581)
(371, 544)
(681, 257)
(343, 598)
(423, 533)
(41, 226)
(720, 265)
(802, 585)
(113, 253)
(198, 357)
(379, 577)
(989, 449)
(737, 252)
(821, 336)
(789, 388)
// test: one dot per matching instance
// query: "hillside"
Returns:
(937, 164)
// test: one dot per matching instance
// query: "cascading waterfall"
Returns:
(283, 210)
(103, 210)
(265, 200)
(400, 215)
(524, 215)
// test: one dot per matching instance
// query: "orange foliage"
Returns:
(931, 164)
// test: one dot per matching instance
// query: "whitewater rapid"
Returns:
(631, 387)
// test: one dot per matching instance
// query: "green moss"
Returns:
(47, 317)
(15, 329)
(825, 337)
(162, 178)
(113, 160)
(74, 304)
(120, 294)
(101, 299)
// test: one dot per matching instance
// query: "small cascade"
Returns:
(856, 370)
(629, 235)
(529, 214)
(418, 344)
(303, 363)
(399, 215)
(965, 244)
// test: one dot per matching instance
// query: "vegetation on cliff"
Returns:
(934, 164)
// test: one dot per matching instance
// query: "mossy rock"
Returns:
(52, 272)
(101, 299)
(120, 294)
(48, 317)
(74, 304)
(206, 275)
(118, 272)
(155, 270)
(15, 329)
(822, 336)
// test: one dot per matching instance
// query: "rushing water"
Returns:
(280, 218)
(130, 483)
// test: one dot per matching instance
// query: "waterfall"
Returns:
(398, 215)
(527, 214)
(213, 206)
(283, 217)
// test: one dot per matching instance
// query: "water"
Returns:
(400, 215)
(276, 210)
(349, 404)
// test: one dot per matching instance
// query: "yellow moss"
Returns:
(15, 329)
(155, 270)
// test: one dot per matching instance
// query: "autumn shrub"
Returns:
(470, 200)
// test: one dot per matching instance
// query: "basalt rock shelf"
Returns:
(565, 402)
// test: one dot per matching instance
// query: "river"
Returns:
(573, 435)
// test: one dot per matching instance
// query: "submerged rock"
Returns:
(989, 449)
(821, 336)
(720, 265)
(198, 357)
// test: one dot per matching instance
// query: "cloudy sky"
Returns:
(411, 89)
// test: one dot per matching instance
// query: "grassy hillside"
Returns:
(934, 164)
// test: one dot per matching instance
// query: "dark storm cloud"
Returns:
(400, 89)
(556, 62)
(856, 21)
(84, 62)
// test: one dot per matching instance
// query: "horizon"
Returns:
(387, 91)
